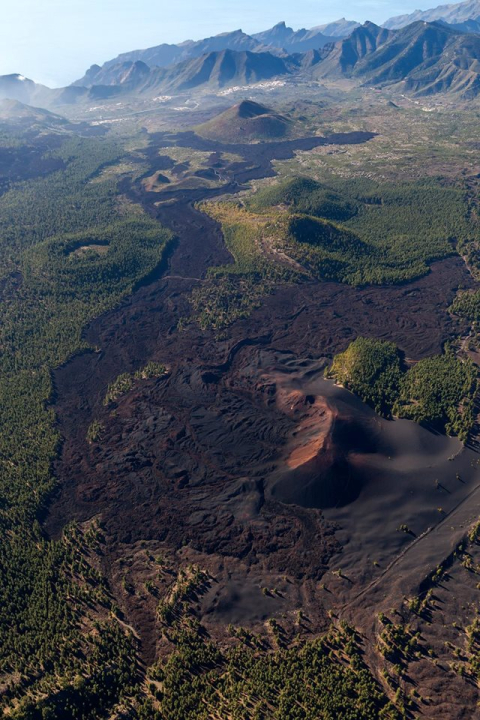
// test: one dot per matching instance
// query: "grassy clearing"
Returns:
(196, 159)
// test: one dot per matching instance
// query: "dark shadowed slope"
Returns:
(247, 120)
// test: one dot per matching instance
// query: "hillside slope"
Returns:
(247, 121)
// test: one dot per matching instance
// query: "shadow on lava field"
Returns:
(242, 459)
(231, 460)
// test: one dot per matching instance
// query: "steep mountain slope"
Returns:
(17, 112)
(344, 56)
(236, 40)
(281, 36)
(18, 87)
(339, 28)
(311, 58)
(214, 70)
(247, 121)
(427, 57)
(277, 39)
(469, 26)
(128, 73)
(160, 56)
(457, 70)
(22, 90)
(418, 45)
(452, 14)
(219, 69)
(165, 54)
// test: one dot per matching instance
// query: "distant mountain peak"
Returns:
(339, 28)
(452, 14)
(279, 30)
(230, 33)
(430, 54)
(292, 41)
(16, 77)
(18, 87)
(16, 110)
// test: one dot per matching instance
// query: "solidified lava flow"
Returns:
(236, 452)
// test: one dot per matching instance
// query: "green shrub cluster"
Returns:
(308, 197)
(125, 382)
(371, 369)
(439, 391)
(467, 305)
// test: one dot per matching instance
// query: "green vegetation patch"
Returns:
(439, 391)
(372, 370)
(328, 251)
(326, 678)
(352, 231)
(306, 196)
(93, 688)
(56, 292)
(125, 382)
(232, 291)
(467, 305)
(401, 228)
(95, 431)
(62, 290)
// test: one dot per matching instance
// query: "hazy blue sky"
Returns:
(55, 41)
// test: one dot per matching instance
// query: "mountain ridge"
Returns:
(281, 36)
(427, 57)
(275, 40)
(452, 14)
(280, 40)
